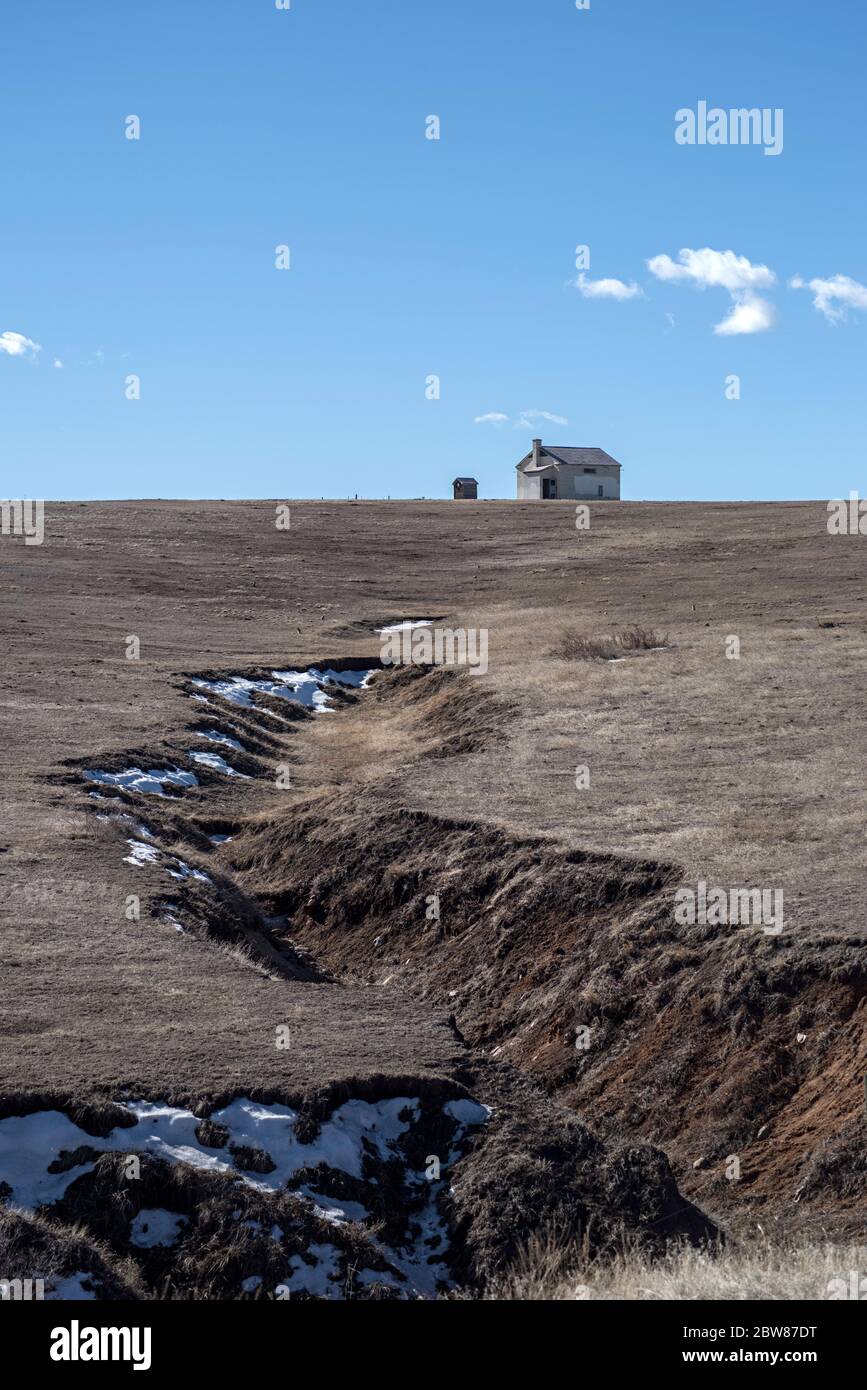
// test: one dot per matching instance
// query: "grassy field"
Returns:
(555, 894)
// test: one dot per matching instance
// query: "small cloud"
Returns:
(671, 322)
(607, 289)
(528, 418)
(707, 268)
(16, 345)
(835, 296)
(749, 314)
(57, 362)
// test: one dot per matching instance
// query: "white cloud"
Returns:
(723, 270)
(57, 362)
(607, 289)
(16, 345)
(749, 314)
(833, 297)
(528, 418)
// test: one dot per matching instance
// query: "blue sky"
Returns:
(413, 257)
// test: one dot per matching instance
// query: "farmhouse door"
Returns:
(549, 487)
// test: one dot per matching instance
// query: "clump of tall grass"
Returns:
(577, 646)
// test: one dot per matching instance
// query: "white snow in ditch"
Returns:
(182, 871)
(359, 680)
(322, 1277)
(213, 760)
(140, 853)
(69, 1288)
(251, 1285)
(308, 688)
(372, 1276)
(140, 828)
(220, 839)
(407, 625)
(156, 1226)
(214, 736)
(154, 781)
(467, 1112)
(29, 1144)
(334, 1209)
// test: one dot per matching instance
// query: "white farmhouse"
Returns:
(554, 470)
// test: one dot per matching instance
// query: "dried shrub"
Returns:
(577, 646)
(636, 639)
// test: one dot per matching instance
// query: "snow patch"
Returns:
(407, 625)
(214, 761)
(308, 688)
(156, 1226)
(214, 736)
(183, 871)
(467, 1112)
(320, 1278)
(30, 1145)
(140, 853)
(335, 1210)
(153, 782)
(374, 1276)
(69, 1288)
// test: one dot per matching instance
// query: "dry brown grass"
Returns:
(789, 1271)
(740, 771)
(34, 1247)
(637, 639)
(577, 646)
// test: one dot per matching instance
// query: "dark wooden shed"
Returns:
(465, 488)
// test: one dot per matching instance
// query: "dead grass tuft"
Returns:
(577, 646)
(637, 639)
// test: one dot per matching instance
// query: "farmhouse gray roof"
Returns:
(464, 480)
(582, 456)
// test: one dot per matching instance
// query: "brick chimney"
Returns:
(537, 452)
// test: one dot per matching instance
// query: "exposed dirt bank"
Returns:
(719, 1043)
(382, 1186)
